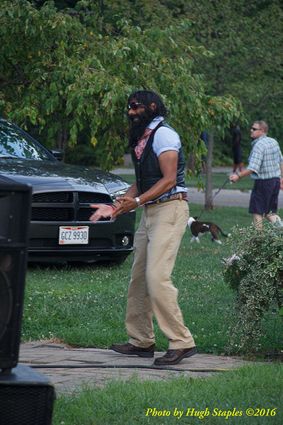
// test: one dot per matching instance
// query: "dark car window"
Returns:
(15, 143)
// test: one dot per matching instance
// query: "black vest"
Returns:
(147, 167)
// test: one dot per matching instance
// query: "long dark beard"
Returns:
(137, 127)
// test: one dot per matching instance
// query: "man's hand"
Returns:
(126, 204)
(234, 178)
(102, 210)
(281, 183)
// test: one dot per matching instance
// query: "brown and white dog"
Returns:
(199, 228)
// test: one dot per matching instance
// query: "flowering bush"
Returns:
(255, 271)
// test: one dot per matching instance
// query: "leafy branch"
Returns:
(255, 272)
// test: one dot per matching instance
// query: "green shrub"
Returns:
(255, 271)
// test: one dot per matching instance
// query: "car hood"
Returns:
(49, 175)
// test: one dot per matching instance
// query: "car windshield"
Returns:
(14, 143)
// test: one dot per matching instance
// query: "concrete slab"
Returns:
(68, 368)
(226, 197)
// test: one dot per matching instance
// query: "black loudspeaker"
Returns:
(26, 398)
(15, 206)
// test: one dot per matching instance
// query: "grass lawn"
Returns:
(222, 399)
(218, 180)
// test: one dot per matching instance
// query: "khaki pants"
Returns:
(151, 291)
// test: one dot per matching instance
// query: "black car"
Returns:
(61, 196)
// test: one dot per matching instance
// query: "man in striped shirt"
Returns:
(266, 168)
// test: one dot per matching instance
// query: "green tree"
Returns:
(246, 41)
(71, 75)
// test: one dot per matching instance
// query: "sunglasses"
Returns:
(255, 129)
(135, 105)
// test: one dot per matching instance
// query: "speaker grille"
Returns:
(6, 301)
(12, 273)
(26, 405)
(15, 202)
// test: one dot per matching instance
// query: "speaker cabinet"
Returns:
(26, 398)
(15, 205)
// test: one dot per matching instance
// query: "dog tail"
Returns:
(226, 235)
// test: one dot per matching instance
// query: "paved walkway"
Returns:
(68, 368)
(226, 198)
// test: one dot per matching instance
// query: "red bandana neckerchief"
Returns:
(142, 142)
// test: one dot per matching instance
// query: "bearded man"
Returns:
(160, 190)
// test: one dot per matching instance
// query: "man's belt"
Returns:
(181, 196)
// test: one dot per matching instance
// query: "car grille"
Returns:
(53, 197)
(66, 206)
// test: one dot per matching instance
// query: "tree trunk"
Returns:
(62, 139)
(191, 163)
(208, 183)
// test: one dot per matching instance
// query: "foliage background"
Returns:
(68, 78)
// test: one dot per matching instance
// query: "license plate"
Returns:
(73, 235)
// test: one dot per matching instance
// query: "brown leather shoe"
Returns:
(175, 356)
(132, 350)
